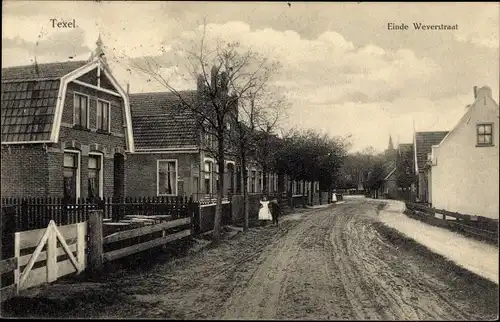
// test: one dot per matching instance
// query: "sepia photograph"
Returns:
(227, 160)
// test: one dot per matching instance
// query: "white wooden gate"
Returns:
(59, 241)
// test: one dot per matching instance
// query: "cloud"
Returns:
(342, 72)
(370, 124)
(481, 31)
(62, 46)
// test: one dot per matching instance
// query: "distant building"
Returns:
(389, 187)
(465, 164)
(422, 150)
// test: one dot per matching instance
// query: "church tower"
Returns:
(390, 152)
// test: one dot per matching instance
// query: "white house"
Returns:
(465, 165)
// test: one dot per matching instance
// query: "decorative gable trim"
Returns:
(390, 174)
(462, 121)
(96, 88)
(72, 77)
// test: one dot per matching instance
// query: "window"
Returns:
(231, 177)
(216, 177)
(208, 177)
(167, 177)
(485, 134)
(209, 140)
(95, 177)
(275, 177)
(81, 111)
(252, 182)
(103, 118)
(71, 173)
(260, 186)
(238, 179)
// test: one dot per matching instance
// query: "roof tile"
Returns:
(425, 141)
(41, 71)
(28, 110)
(158, 121)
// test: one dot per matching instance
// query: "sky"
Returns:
(343, 72)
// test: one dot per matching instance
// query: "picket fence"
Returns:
(44, 255)
(36, 213)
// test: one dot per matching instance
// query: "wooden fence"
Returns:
(8, 266)
(123, 243)
(36, 213)
(477, 226)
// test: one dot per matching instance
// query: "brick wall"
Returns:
(90, 140)
(116, 103)
(24, 171)
(141, 178)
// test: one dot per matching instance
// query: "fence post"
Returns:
(51, 254)
(95, 241)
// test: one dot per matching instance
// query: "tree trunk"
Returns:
(304, 194)
(264, 177)
(220, 191)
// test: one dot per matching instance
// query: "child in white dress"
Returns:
(264, 212)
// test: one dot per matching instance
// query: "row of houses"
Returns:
(69, 129)
(456, 170)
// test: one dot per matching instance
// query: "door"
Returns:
(119, 176)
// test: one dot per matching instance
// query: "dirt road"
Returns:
(333, 263)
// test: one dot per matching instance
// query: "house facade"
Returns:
(174, 154)
(66, 128)
(422, 149)
(464, 167)
(69, 130)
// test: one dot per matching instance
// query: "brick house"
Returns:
(173, 155)
(70, 130)
(66, 128)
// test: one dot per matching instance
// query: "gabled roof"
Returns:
(160, 122)
(424, 143)
(28, 109)
(40, 71)
(31, 110)
(405, 147)
(29, 99)
(482, 94)
(389, 169)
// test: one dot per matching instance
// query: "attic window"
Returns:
(485, 134)
(81, 111)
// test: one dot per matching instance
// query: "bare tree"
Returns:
(235, 74)
(260, 110)
(271, 111)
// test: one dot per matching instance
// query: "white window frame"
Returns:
(101, 172)
(97, 115)
(255, 181)
(75, 93)
(490, 124)
(158, 178)
(212, 170)
(79, 170)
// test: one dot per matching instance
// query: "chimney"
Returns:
(475, 92)
(214, 77)
(224, 82)
(128, 88)
(483, 92)
(200, 82)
